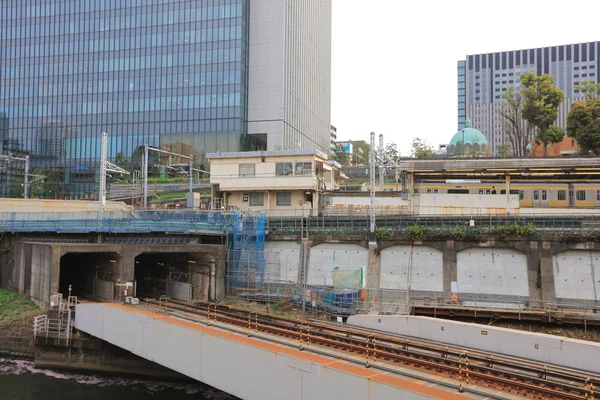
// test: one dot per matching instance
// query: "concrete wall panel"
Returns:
(424, 267)
(324, 257)
(283, 261)
(549, 349)
(492, 271)
(577, 274)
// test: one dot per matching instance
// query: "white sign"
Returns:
(454, 287)
(340, 320)
(463, 181)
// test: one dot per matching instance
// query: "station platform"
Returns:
(260, 366)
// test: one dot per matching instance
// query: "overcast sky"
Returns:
(394, 61)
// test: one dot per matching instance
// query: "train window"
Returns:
(521, 195)
(428, 190)
(514, 192)
(544, 195)
(562, 195)
(487, 191)
(598, 195)
(580, 195)
(536, 194)
(416, 191)
(503, 192)
(435, 191)
(458, 191)
(480, 191)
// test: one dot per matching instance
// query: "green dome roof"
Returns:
(474, 142)
(471, 136)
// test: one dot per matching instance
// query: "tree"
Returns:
(589, 89)
(583, 124)
(420, 148)
(338, 154)
(121, 161)
(391, 153)
(48, 188)
(540, 107)
(514, 126)
(504, 151)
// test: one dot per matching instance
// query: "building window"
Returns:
(284, 198)
(573, 143)
(562, 195)
(257, 199)
(303, 168)
(246, 169)
(580, 195)
(283, 169)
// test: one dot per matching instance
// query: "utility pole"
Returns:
(381, 163)
(372, 183)
(26, 179)
(145, 177)
(106, 166)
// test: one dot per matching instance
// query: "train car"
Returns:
(542, 195)
(585, 195)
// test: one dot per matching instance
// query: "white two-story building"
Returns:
(282, 183)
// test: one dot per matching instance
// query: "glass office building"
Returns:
(168, 73)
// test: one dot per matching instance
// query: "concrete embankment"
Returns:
(16, 321)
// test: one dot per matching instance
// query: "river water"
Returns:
(20, 380)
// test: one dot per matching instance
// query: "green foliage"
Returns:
(583, 124)
(504, 150)
(589, 89)
(514, 230)
(420, 148)
(170, 196)
(415, 232)
(15, 307)
(48, 188)
(382, 233)
(339, 155)
(540, 109)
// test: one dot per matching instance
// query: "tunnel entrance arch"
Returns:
(89, 274)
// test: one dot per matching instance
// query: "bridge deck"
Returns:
(247, 367)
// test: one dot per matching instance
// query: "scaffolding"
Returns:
(246, 252)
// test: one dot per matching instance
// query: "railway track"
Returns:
(508, 374)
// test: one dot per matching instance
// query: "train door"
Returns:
(537, 198)
(597, 198)
(571, 195)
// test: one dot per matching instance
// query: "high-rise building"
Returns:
(333, 137)
(174, 74)
(290, 73)
(484, 78)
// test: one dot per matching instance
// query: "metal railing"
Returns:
(60, 325)
(558, 225)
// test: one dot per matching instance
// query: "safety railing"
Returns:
(436, 226)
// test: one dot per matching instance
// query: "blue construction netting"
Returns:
(171, 221)
(247, 255)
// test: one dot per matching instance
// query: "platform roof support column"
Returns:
(507, 194)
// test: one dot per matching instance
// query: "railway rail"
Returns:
(508, 374)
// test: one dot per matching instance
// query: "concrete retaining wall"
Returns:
(495, 271)
(422, 266)
(548, 349)
(326, 256)
(283, 261)
(577, 274)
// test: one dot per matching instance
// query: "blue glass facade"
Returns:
(168, 73)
